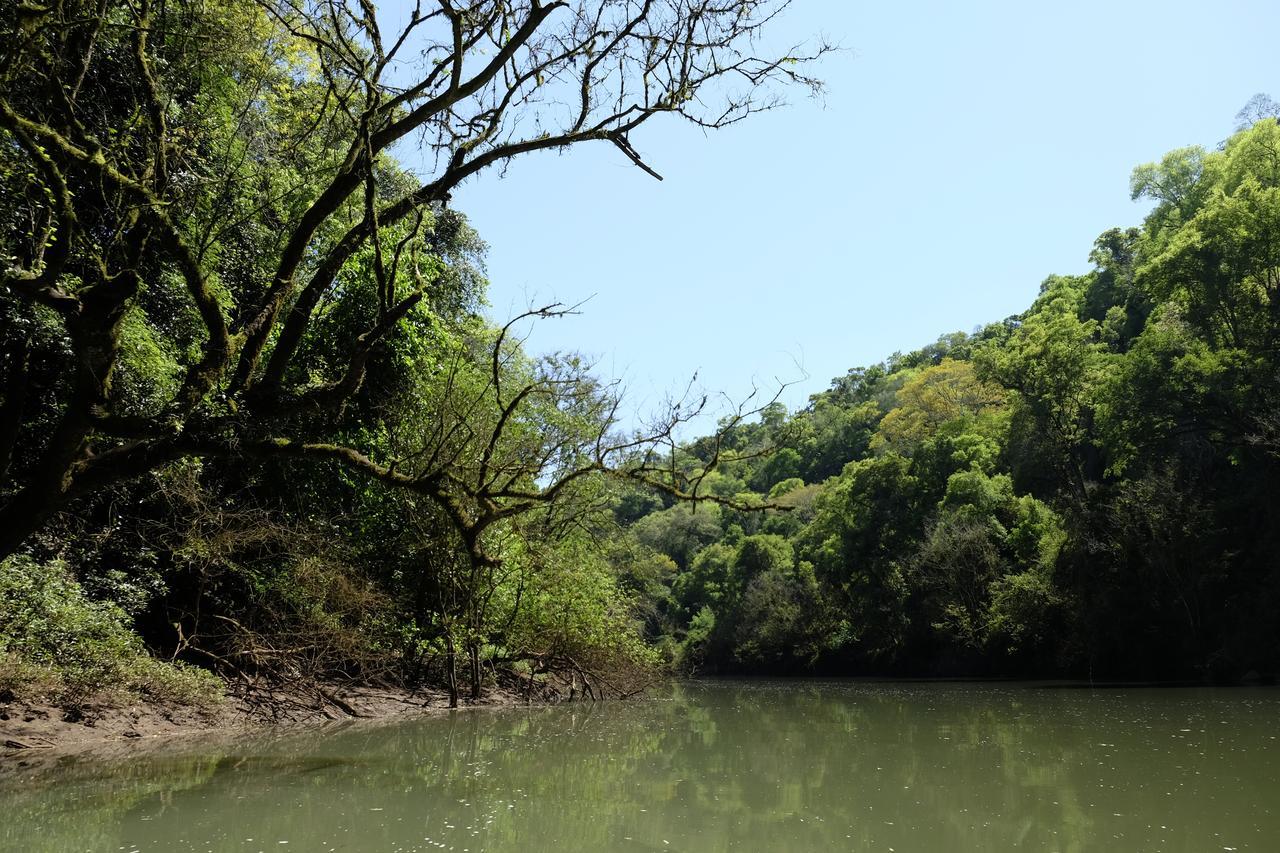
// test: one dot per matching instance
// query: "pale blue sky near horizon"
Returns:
(961, 154)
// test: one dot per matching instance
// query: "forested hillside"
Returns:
(1086, 488)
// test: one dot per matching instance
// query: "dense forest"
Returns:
(1086, 488)
(254, 421)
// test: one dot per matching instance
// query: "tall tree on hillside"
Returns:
(209, 181)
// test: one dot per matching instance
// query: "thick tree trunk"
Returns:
(95, 333)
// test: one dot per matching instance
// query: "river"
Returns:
(708, 766)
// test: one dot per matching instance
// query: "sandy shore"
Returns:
(37, 733)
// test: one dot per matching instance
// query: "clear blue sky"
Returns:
(963, 152)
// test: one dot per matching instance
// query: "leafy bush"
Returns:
(58, 645)
(572, 611)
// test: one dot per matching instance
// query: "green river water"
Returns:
(712, 766)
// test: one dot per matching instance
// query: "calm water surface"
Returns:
(716, 766)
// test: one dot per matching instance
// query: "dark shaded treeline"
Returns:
(1087, 488)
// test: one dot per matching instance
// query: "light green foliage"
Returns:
(148, 372)
(1053, 361)
(707, 582)
(931, 398)
(1214, 248)
(971, 443)
(57, 645)
(571, 607)
(681, 531)
(761, 554)
(641, 570)
(696, 647)
(796, 509)
(1174, 182)
(1111, 296)
(1168, 378)
(785, 487)
(722, 482)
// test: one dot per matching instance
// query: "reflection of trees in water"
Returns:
(77, 807)
(728, 766)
